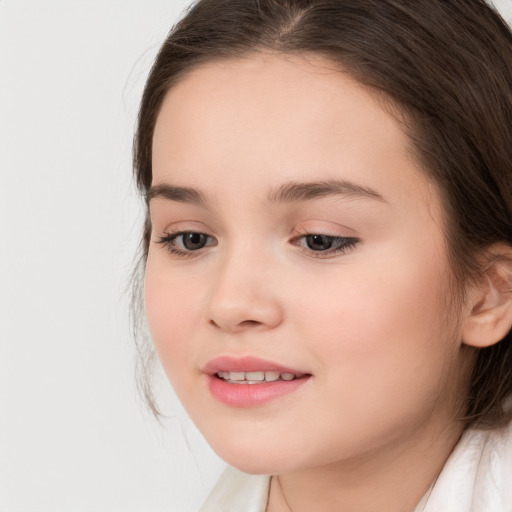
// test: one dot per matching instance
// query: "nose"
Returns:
(244, 295)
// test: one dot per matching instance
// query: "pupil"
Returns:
(193, 241)
(319, 242)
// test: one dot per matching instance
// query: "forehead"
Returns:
(256, 122)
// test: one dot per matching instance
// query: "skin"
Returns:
(373, 426)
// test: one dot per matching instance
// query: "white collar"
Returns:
(477, 477)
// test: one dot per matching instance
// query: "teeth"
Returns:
(255, 377)
(271, 376)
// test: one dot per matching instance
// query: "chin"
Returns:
(251, 457)
(261, 466)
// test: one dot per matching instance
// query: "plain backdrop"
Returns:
(74, 436)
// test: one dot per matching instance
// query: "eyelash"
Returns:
(344, 244)
(168, 241)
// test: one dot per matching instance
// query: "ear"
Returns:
(490, 319)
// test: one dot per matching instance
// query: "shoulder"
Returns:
(238, 492)
(477, 476)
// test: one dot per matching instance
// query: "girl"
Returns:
(327, 249)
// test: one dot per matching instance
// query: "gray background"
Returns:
(73, 435)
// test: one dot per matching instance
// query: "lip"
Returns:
(250, 395)
(245, 364)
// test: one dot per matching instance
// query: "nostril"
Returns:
(236, 316)
(243, 324)
(249, 323)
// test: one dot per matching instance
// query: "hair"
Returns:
(446, 65)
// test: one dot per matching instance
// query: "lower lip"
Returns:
(252, 395)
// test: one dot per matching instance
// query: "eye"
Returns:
(184, 243)
(193, 241)
(325, 245)
(319, 242)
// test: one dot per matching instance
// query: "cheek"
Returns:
(383, 328)
(172, 310)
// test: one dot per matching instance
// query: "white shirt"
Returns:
(477, 477)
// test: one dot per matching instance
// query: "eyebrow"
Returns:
(287, 193)
(295, 191)
(178, 194)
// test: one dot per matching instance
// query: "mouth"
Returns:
(257, 377)
(251, 382)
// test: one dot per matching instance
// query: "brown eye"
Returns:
(325, 246)
(319, 242)
(193, 241)
(186, 243)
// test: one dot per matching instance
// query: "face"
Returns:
(295, 238)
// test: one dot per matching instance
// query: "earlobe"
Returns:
(490, 319)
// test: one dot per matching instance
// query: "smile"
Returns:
(257, 377)
(248, 381)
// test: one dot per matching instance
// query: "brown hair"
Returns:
(446, 64)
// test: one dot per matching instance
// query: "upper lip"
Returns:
(245, 364)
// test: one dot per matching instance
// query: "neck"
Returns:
(394, 477)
